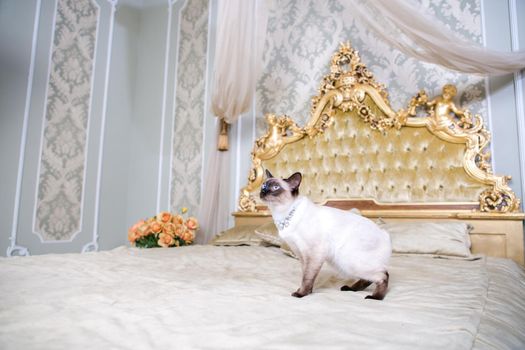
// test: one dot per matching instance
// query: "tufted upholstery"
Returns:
(350, 160)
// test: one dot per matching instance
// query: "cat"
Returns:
(353, 244)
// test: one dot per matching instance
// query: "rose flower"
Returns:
(165, 240)
(192, 223)
(164, 217)
(177, 219)
(155, 227)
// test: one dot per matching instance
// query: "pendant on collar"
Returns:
(282, 224)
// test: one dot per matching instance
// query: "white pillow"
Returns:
(241, 235)
(440, 238)
(268, 233)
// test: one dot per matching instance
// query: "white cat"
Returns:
(353, 244)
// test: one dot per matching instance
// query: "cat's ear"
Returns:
(294, 181)
(268, 173)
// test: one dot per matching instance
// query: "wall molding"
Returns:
(209, 76)
(519, 92)
(93, 245)
(487, 83)
(172, 166)
(167, 56)
(163, 112)
(13, 247)
(174, 99)
(44, 125)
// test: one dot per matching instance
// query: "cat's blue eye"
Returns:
(275, 187)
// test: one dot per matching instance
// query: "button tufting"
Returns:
(345, 158)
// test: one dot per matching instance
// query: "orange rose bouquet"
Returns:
(164, 230)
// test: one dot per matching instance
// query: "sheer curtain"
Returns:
(214, 209)
(237, 52)
(241, 31)
(401, 24)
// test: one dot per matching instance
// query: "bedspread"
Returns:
(206, 297)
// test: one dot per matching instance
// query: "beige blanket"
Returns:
(205, 297)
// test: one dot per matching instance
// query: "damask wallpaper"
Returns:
(189, 111)
(303, 34)
(63, 152)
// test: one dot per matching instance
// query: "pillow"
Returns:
(241, 235)
(269, 234)
(439, 238)
(285, 248)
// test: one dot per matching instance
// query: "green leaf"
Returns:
(149, 241)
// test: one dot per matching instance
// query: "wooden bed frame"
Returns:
(428, 162)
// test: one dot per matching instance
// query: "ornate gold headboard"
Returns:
(431, 156)
(356, 146)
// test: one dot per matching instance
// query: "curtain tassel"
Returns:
(222, 144)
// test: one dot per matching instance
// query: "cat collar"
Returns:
(282, 224)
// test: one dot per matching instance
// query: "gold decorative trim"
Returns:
(282, 130)
(347, 88)
(456, 125)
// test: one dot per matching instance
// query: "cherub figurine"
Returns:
(277, 135)
(445, 110)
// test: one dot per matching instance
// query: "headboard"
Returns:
(426, 162)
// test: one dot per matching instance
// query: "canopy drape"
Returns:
(408, 28)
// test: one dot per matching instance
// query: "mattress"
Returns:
(209, 297)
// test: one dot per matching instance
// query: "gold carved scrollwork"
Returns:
(282, 130)
(346, 88)
(450, 123)
(246, 199)
(498, 200)
(247, 202)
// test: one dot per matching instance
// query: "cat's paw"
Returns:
(298, 294)
(375, 297)
(301, 293)
(346, 288)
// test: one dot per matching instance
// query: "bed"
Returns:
(208, 297)
(456, 275)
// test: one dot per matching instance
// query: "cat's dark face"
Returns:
(275, 190)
